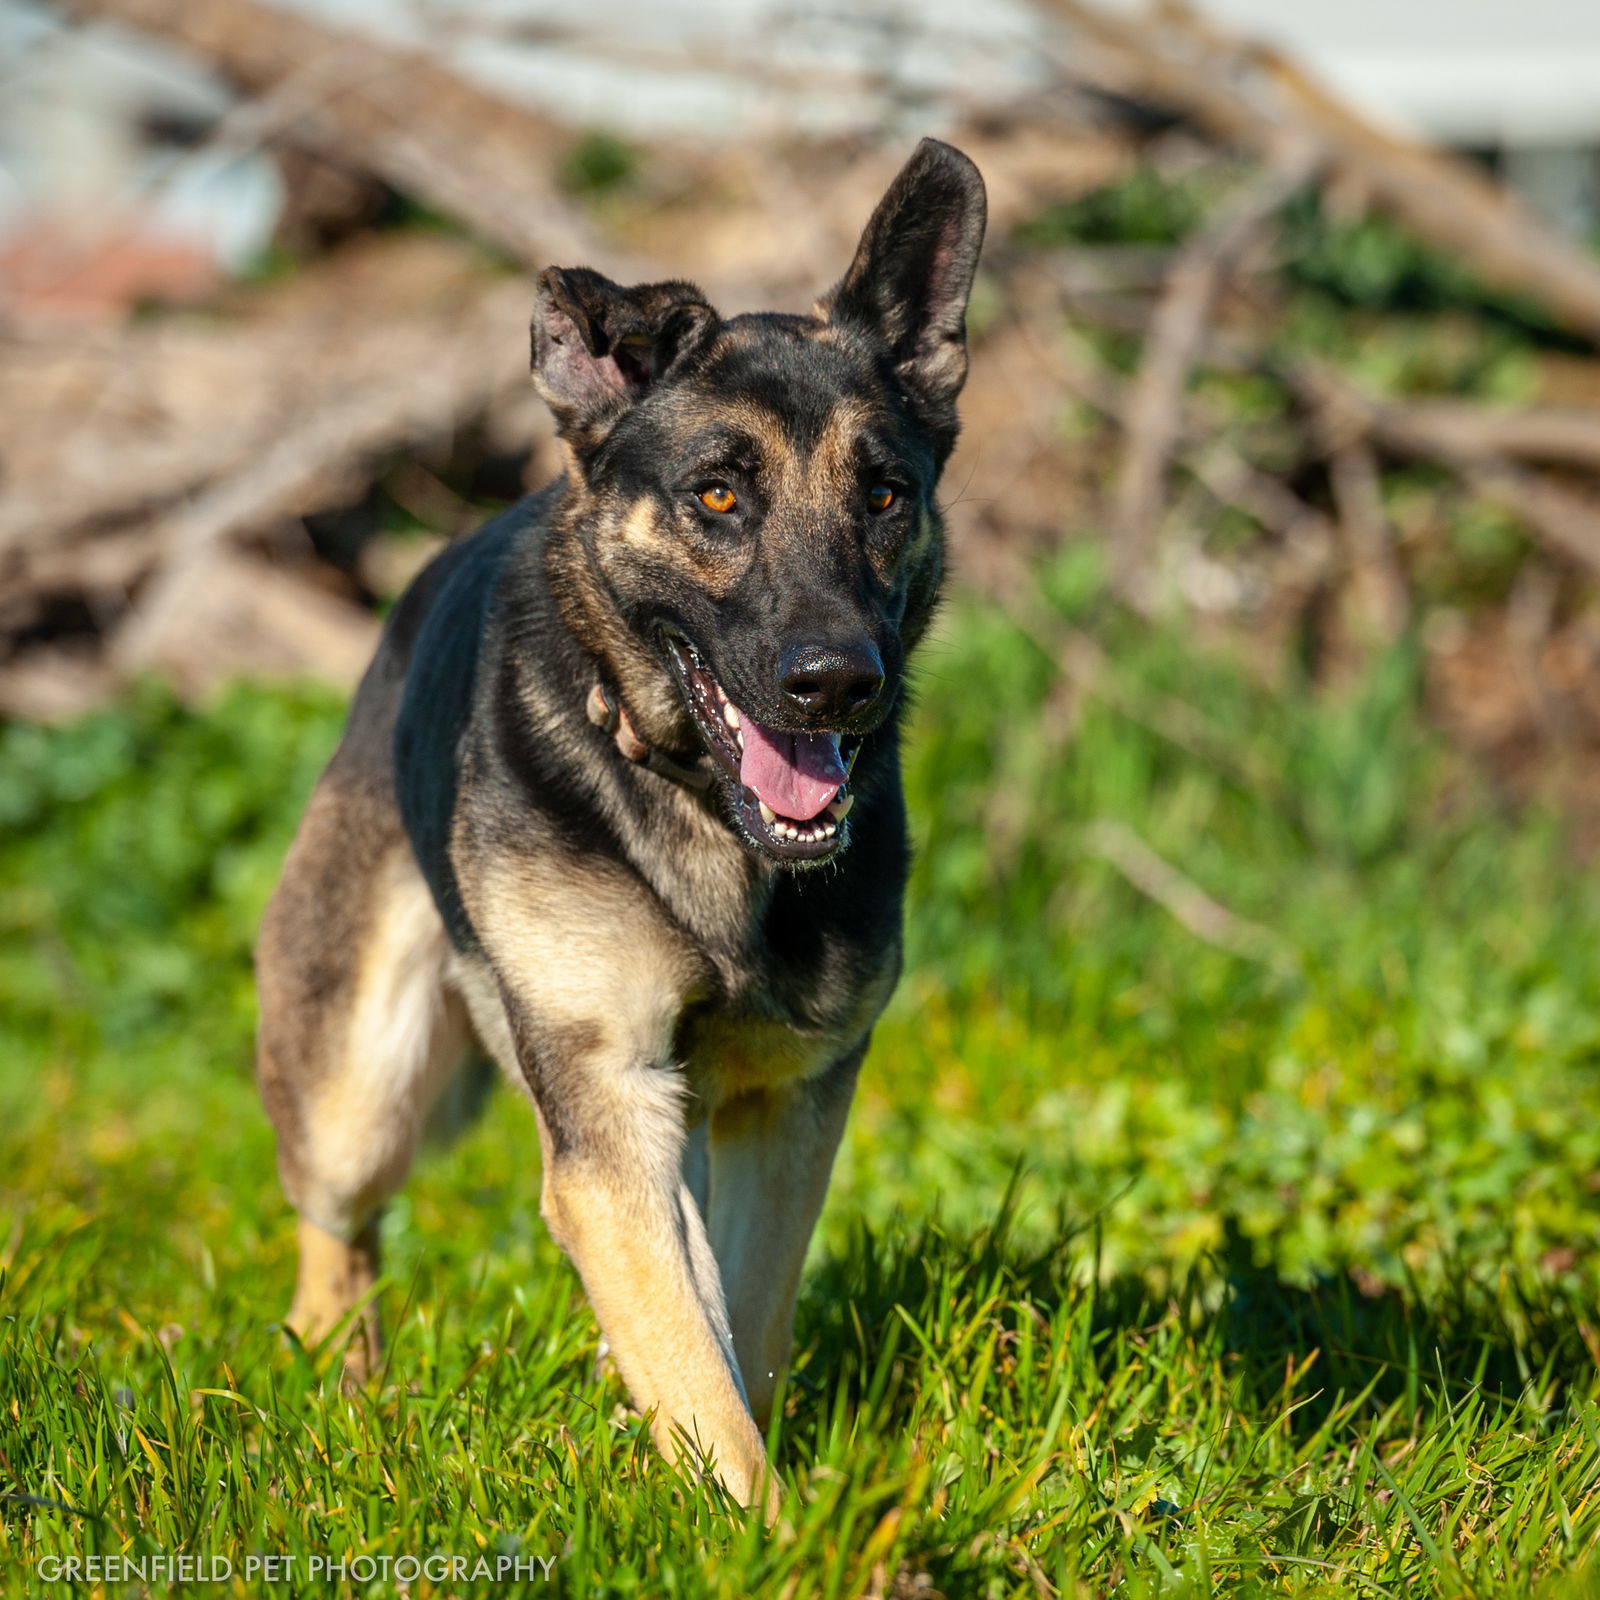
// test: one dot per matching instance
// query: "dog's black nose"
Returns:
(831, 681)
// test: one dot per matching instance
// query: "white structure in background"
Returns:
(86, 114)
(96, 130)
(1520, 80)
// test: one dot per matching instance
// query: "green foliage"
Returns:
(1374, 264)
(139, 849)
(1150, 1266)
(1488, 547)
(597, 165)
(1331, 267)
(272, 263)
(1144, 208)
(1367, 264)
(1393, 310)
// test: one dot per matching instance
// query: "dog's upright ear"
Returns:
(598, 347)
(912, 274)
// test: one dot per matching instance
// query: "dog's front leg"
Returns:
(771, 1156)
(592, 1033)
(616, 1204)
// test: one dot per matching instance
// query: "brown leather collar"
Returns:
(607, 711)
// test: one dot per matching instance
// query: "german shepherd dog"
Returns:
(620, 797)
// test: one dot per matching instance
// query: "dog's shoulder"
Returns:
(418, 701)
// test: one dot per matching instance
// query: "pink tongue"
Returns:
(797, 774)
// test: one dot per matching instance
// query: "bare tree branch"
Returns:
(1249, 96)
(1154, 415)
(1206, 918)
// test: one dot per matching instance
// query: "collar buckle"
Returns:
(607, 711)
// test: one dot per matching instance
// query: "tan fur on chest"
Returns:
(726, 1055)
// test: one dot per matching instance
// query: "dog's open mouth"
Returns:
(791, 790)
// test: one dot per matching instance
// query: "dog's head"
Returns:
(751, 501)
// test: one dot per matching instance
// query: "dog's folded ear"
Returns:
(912, 274)
(598, 347)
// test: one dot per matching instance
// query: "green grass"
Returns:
(1149, 1267)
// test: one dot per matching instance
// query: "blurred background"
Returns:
(1254, 768)
(1257, 760)
(1287, 317)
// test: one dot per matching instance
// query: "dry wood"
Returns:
(1205, 917)
(1530, 620)
(420, 126)
(347, 430)
(265, 430)
(1250, 96)
(1558, 435)
(1154, 416)
(1380, 600)
(177, 406)
(52, 684)
(1565, 519)
(1082, 661)
(1233, 480)
(1307, 540)
(224, 613)
(1484, 444)
(227, 433)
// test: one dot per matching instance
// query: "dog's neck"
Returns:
(606, 710)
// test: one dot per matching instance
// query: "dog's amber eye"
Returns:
(719, 497)
(881, 497)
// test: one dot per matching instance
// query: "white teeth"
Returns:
(782, 828)
(730, 714)
(738, 739)
(840, 808)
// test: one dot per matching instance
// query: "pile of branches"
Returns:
(159, 482)
(1336, 498)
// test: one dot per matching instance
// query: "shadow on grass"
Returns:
(1508, 1342)
(1190, 1378)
